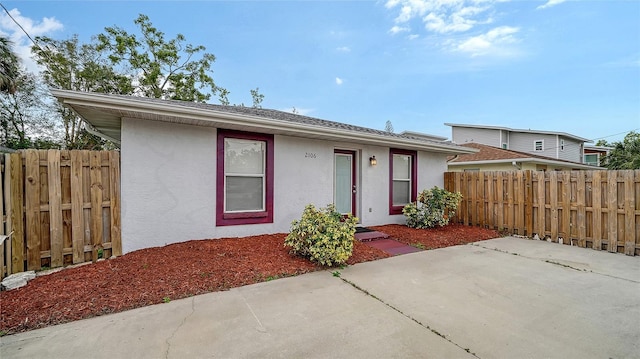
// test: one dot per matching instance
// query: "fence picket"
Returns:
(55, 207)
(114, 172)
(32, 208)
(17, 213)
(96, 203)
(581, 215)
(77, 219)
(612, 212)
(553, 196)
(566, 207)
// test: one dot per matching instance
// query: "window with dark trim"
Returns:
(403, 186)
(244, 183)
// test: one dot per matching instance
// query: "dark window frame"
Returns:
(250, 217)
(393, 210)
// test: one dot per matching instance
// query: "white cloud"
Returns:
(444, 16)
(413, 36)
(396, 29)
(493, 42)
(457, 23)
(21, 43)
(343, 49)
(339, 81)
(550, 3)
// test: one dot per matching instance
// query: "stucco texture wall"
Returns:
(169, 183)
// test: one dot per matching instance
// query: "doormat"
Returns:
(363, 230)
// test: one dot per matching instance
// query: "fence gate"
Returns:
(62, 207)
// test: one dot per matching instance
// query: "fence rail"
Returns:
(593, 209)
(62, 207)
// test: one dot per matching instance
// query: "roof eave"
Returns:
(71, 98)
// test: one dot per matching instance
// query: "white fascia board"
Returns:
(208, 115)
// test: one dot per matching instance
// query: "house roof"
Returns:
(494, 155)
(564, 134)
(426, 136)
(104, 112)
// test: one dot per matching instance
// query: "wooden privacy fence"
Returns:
(594, 209)
(62, 207)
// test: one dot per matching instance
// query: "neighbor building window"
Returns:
(592, 159)
(538, 145)
(561, 145)
(244, 178)
(505, 146)
(402, 179)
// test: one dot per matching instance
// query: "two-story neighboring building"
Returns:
(551, 144)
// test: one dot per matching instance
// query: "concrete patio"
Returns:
(502, 298)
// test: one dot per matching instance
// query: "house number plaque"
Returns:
(309, 155)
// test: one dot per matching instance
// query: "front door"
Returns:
(344, 182)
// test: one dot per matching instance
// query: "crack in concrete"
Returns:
(554, 262)
(184, 320)
(261, 327)
(366, 292)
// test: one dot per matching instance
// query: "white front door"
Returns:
(344, 187)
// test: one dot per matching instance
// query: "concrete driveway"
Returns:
(502, 298)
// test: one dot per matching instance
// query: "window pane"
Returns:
(401, 192)
(244, 194)
(343, 183)
(243, 156)
(401, 166)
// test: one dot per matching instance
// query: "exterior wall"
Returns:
(523, 142)
(572, 150)
(169, 183)
(462, 135)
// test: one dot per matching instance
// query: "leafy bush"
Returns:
(433, 208)
(322, 235)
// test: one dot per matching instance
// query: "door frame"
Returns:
(354, 177)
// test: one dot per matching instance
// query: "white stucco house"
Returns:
(194, 171)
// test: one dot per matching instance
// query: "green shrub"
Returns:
(322, 235)
(433, 208)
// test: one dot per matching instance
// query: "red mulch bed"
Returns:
(451, 235)
(153, 275)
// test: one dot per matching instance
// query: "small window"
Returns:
(402, 177)
(244, 178)
(561, 145)
(505, 146)
(592, 159)
(538, 145)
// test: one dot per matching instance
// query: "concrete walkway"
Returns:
(503, 298)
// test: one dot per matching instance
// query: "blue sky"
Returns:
(553, 65)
